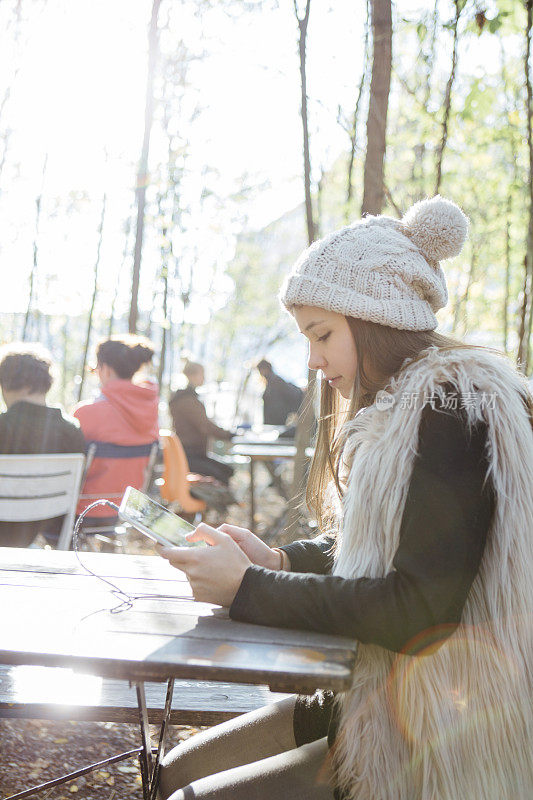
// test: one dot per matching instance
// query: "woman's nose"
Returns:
(315, 359)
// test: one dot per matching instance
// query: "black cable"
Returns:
(126, 599)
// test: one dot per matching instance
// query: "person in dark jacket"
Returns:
(194, 428)
(280, 397)
(31, 426)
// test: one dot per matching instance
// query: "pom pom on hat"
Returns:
(438, 227)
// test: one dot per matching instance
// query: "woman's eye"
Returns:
(324, 338)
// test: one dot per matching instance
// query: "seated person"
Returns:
(122, 422)
(31, 426)
(280, 398)
(193, 427)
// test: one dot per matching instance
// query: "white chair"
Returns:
(39, 487)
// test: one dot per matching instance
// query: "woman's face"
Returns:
(331, 346)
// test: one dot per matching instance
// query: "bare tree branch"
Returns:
(305, 423)
(526, 321)
(33, 272)
(355, 120)
(388, 195)
(93, 299)
(142, 175)
(459, 5)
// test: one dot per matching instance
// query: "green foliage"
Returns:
(485, 166)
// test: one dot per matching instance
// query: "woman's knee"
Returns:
(180, 794)
(173, 773)
(303, 773)
(244, 739)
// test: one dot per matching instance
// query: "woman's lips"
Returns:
(332, 381)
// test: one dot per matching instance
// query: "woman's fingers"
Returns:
(181, 557)
(257, 551)
(236, 533)
(205, 533)
(215, 573)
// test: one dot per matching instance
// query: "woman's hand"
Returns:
(257, 551)
(215, 573)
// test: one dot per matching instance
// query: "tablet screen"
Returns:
(137, 507)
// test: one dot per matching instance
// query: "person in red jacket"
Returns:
(122, 422)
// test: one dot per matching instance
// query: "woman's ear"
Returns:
(105, 373)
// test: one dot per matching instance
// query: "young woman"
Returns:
(122, 421)
(422, 483)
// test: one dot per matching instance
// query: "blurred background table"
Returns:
(267, 451)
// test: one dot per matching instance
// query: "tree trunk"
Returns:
(471, 275)
(526, 316)
(319, 202)
(165, 322)
(16, 35)
(302, 24)
(507, 276)
(33, 273)
(460, 310)
(7, 133)
(93, 301)
(431, 58)
(522, 327)
(170, 345)
(529, 251)
(306, 417)
(64, 362)
(459, 5)
(125, 253)
(418, 176)
(353, 132)
(529, 326)
(142, 175)
(166, 250)
(376, 126)
(237, 416)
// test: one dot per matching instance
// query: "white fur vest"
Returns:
(456, 723)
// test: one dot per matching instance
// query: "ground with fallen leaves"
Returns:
(35, 751)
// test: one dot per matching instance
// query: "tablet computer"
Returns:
(155, 521)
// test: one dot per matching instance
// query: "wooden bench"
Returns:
(29, 692)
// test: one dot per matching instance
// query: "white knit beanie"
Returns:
(382, 269)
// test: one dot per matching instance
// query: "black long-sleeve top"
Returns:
(443, 531)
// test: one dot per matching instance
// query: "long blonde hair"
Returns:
(381, 352)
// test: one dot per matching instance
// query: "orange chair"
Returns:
(176, 477)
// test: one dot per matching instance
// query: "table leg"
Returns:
(145, 756)
(277, 480)
(252, 494)
(162, 739)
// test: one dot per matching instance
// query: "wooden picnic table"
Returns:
(264, 434)
(57, 614)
